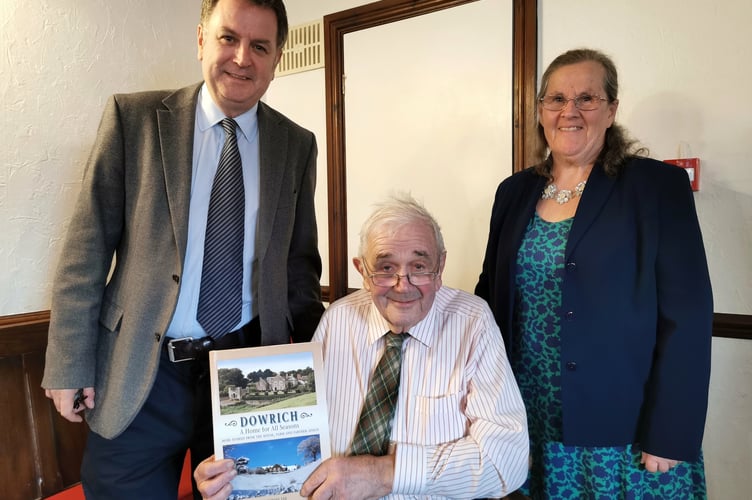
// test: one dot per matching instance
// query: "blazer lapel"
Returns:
(529, 197)
(597, 192)
(176, 127)
(273, 143)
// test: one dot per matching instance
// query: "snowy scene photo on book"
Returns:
(269, 415)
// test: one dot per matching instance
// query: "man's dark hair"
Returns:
(277, 6)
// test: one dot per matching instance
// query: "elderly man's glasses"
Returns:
(390, 280)
(583, 102)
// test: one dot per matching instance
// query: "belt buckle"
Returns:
(171, 349)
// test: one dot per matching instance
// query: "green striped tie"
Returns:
(375, 424)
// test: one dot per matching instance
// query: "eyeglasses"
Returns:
(390, 280)
(583, 102)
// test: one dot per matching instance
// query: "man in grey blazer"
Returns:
(123, 318)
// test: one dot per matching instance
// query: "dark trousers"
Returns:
(146, 460)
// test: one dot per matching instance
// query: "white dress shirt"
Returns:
(459, 428)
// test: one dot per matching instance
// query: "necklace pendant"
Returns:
(561, 196)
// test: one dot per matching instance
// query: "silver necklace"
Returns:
(551, 192)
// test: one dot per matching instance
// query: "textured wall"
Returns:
(60, 60)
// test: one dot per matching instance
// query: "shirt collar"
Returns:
(209, 114)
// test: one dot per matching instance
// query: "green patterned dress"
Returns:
(559, 471)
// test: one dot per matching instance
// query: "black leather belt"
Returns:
(189, 348)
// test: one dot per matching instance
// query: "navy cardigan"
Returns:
(637, 307)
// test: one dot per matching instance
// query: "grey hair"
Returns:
(618, 146)
(396, 211)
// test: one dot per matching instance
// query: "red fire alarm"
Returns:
(692, 166)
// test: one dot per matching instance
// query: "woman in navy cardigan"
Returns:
(596, 273)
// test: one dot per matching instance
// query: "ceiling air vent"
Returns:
(304, 49)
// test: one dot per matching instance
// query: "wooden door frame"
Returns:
(336, 26)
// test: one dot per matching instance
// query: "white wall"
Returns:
(301, 96)
(60, 60)
(684, 80)
(410, 129)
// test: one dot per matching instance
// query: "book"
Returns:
(270, 416)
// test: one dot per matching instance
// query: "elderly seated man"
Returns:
(422, 400)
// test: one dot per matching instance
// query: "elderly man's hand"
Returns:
(213, 478)
(360, 477)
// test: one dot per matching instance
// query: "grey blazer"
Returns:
(131, 220)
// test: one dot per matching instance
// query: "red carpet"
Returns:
(185, 490)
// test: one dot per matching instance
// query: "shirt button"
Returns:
(571, 266)
(176, 278)
(157, 336)
(571, 366)
(569, 316)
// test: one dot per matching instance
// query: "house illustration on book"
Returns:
(274, 383)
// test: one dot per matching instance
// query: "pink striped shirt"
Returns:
(459, 428)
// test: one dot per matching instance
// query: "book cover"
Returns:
(270, 416)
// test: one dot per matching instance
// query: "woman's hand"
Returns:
(657, 464)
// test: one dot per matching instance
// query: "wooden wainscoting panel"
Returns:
(733, 326)
(41, 451)
(18, 477)
(61, 443)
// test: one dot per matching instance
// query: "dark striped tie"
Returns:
(221, 295)
(375, 424)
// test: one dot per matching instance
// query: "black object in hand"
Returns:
(78, 399)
